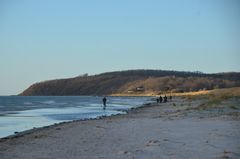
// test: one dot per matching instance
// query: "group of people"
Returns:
(160, 99)
(164, 99)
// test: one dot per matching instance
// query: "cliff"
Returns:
(134, 82)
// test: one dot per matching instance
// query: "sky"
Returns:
(43, 40)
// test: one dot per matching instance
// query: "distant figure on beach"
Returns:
(165, 99)
(157, 100)
(160, 99)
(104, 102)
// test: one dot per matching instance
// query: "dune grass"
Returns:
(214, 98)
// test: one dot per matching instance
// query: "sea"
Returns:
(20, 113)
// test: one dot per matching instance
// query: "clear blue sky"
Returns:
(49, 39)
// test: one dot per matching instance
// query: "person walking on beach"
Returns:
(165, 99)
(104, 102)
(170, 97)
(160, 99)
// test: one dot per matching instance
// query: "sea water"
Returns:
(19, 113)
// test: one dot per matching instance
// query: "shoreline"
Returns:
(177, 129)
(28, 119)
(35, 129)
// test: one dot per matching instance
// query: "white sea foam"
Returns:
(48, 102)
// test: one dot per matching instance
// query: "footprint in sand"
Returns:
(124, 152)
(100, 127)
(153, 143)
(226, 154)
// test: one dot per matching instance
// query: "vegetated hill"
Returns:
(135, 82)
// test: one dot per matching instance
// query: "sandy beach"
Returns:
(177, 129)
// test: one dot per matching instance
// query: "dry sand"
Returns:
(177, 129)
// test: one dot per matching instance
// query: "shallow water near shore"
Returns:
(19, 113)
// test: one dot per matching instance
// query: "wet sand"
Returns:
(176, 129)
